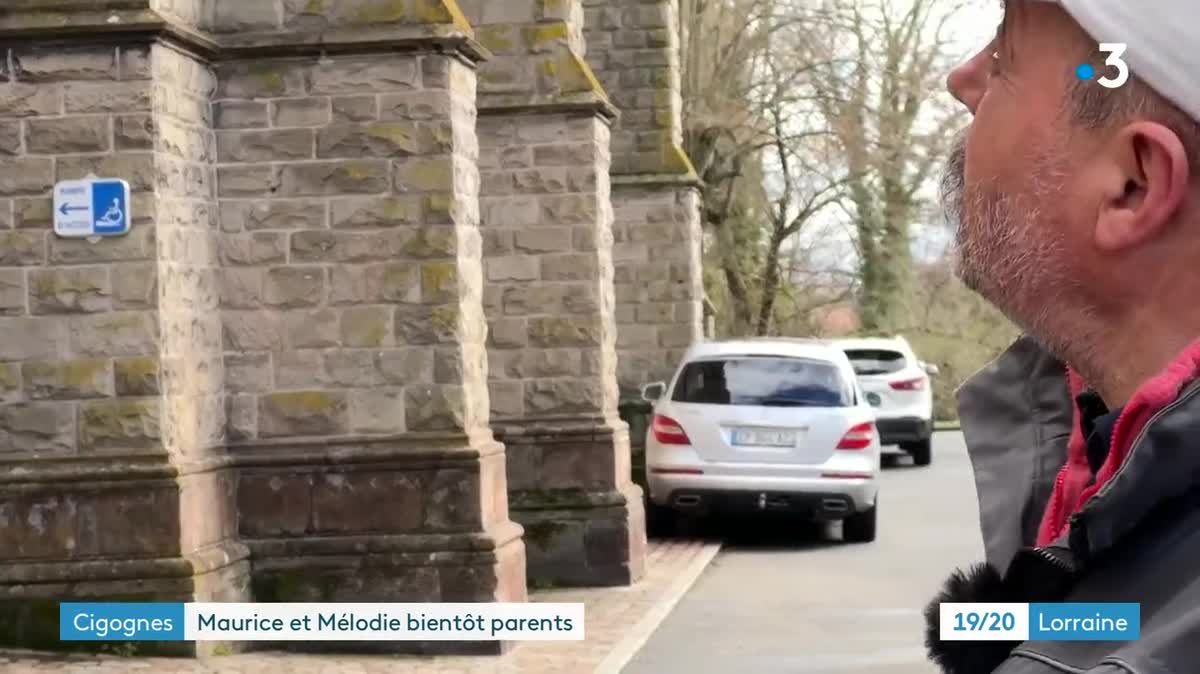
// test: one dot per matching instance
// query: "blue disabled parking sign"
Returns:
(91, 207)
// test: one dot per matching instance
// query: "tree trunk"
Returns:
(770, 287)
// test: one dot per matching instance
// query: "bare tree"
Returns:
(880, 66)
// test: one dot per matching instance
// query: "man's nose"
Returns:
(968, 82)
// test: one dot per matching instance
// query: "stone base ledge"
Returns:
(447, 548)
(32, 578)
(558, 429)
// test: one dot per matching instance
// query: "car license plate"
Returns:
(763, 437)
(874, 399)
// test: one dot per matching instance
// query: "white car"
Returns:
(765, 425)
(897, 385)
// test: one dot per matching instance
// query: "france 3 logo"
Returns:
(1115, 51)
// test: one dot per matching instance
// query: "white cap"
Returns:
(1161, 36)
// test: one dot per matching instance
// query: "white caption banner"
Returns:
(383, 622)
(984, 622)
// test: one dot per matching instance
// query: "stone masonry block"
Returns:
(434, 408)
(29, 100)
(374, 139)
(236, 114)
(135, 167)
(39, 64)
(12, 292)
(69, 290)
(43, 427)
(414, 106)
(286, 287)
(68, 380)
(265, 78)
(366, 212)
(424, 174)
(521, 268)
(22, 248)
(301, 112)
(405, 367)
(10, 383)
(124, 424)
(251, 330)
(351, 502)
(311, 328)
(138, 376)
(354, 75)
(67, 134)
(125, 333)
(10, 137)
(570, 267)
(375, 284)
(534, 363)
(367, 327)
(260, 146)
(276, 214)
(334, 177)
(100, 97)
(346, 247)
(302, 413)
(241, 15)
(356, 109)
(426, 325)
(248, 372)
(256, 248)
(133, 132)
(241, 288)
(26, 175)
(564, 331)
(352, 368)
(377, 411)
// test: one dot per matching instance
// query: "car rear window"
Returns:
(876, 361)
(763, 381)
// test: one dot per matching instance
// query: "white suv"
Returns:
(765, 425)
(897, 385)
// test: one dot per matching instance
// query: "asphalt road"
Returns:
(780, 600)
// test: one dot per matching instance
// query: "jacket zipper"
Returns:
(1047, 553)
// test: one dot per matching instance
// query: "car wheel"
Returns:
(921, 452)
(860, 527)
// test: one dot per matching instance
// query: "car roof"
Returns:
(895, 343)
(791, 347)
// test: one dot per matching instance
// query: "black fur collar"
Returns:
(1030, 579)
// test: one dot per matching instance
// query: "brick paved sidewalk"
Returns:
(619, 620)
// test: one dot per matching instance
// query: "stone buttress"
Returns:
(545, 130)
(274, 388)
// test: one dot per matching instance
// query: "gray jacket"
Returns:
(1138, 540)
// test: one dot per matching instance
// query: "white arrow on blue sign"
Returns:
(91, 207)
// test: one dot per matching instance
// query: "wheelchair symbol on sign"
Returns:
(113, 217)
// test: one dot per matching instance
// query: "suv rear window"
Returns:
(876, 361)
(763, 381)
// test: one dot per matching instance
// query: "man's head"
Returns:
(1074, 201)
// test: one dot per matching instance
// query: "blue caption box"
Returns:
(1085, 622)
(121, 621)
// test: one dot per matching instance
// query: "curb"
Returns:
(637, 637)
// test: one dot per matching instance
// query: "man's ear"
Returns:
(1145, 184)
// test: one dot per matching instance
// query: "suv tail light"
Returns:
(667, 431)
(858, 437)
(908, 384)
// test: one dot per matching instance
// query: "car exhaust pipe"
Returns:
(834, 505)
(687, 500)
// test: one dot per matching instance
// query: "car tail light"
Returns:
(668, 431)
(858, 437)
(908, 384)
